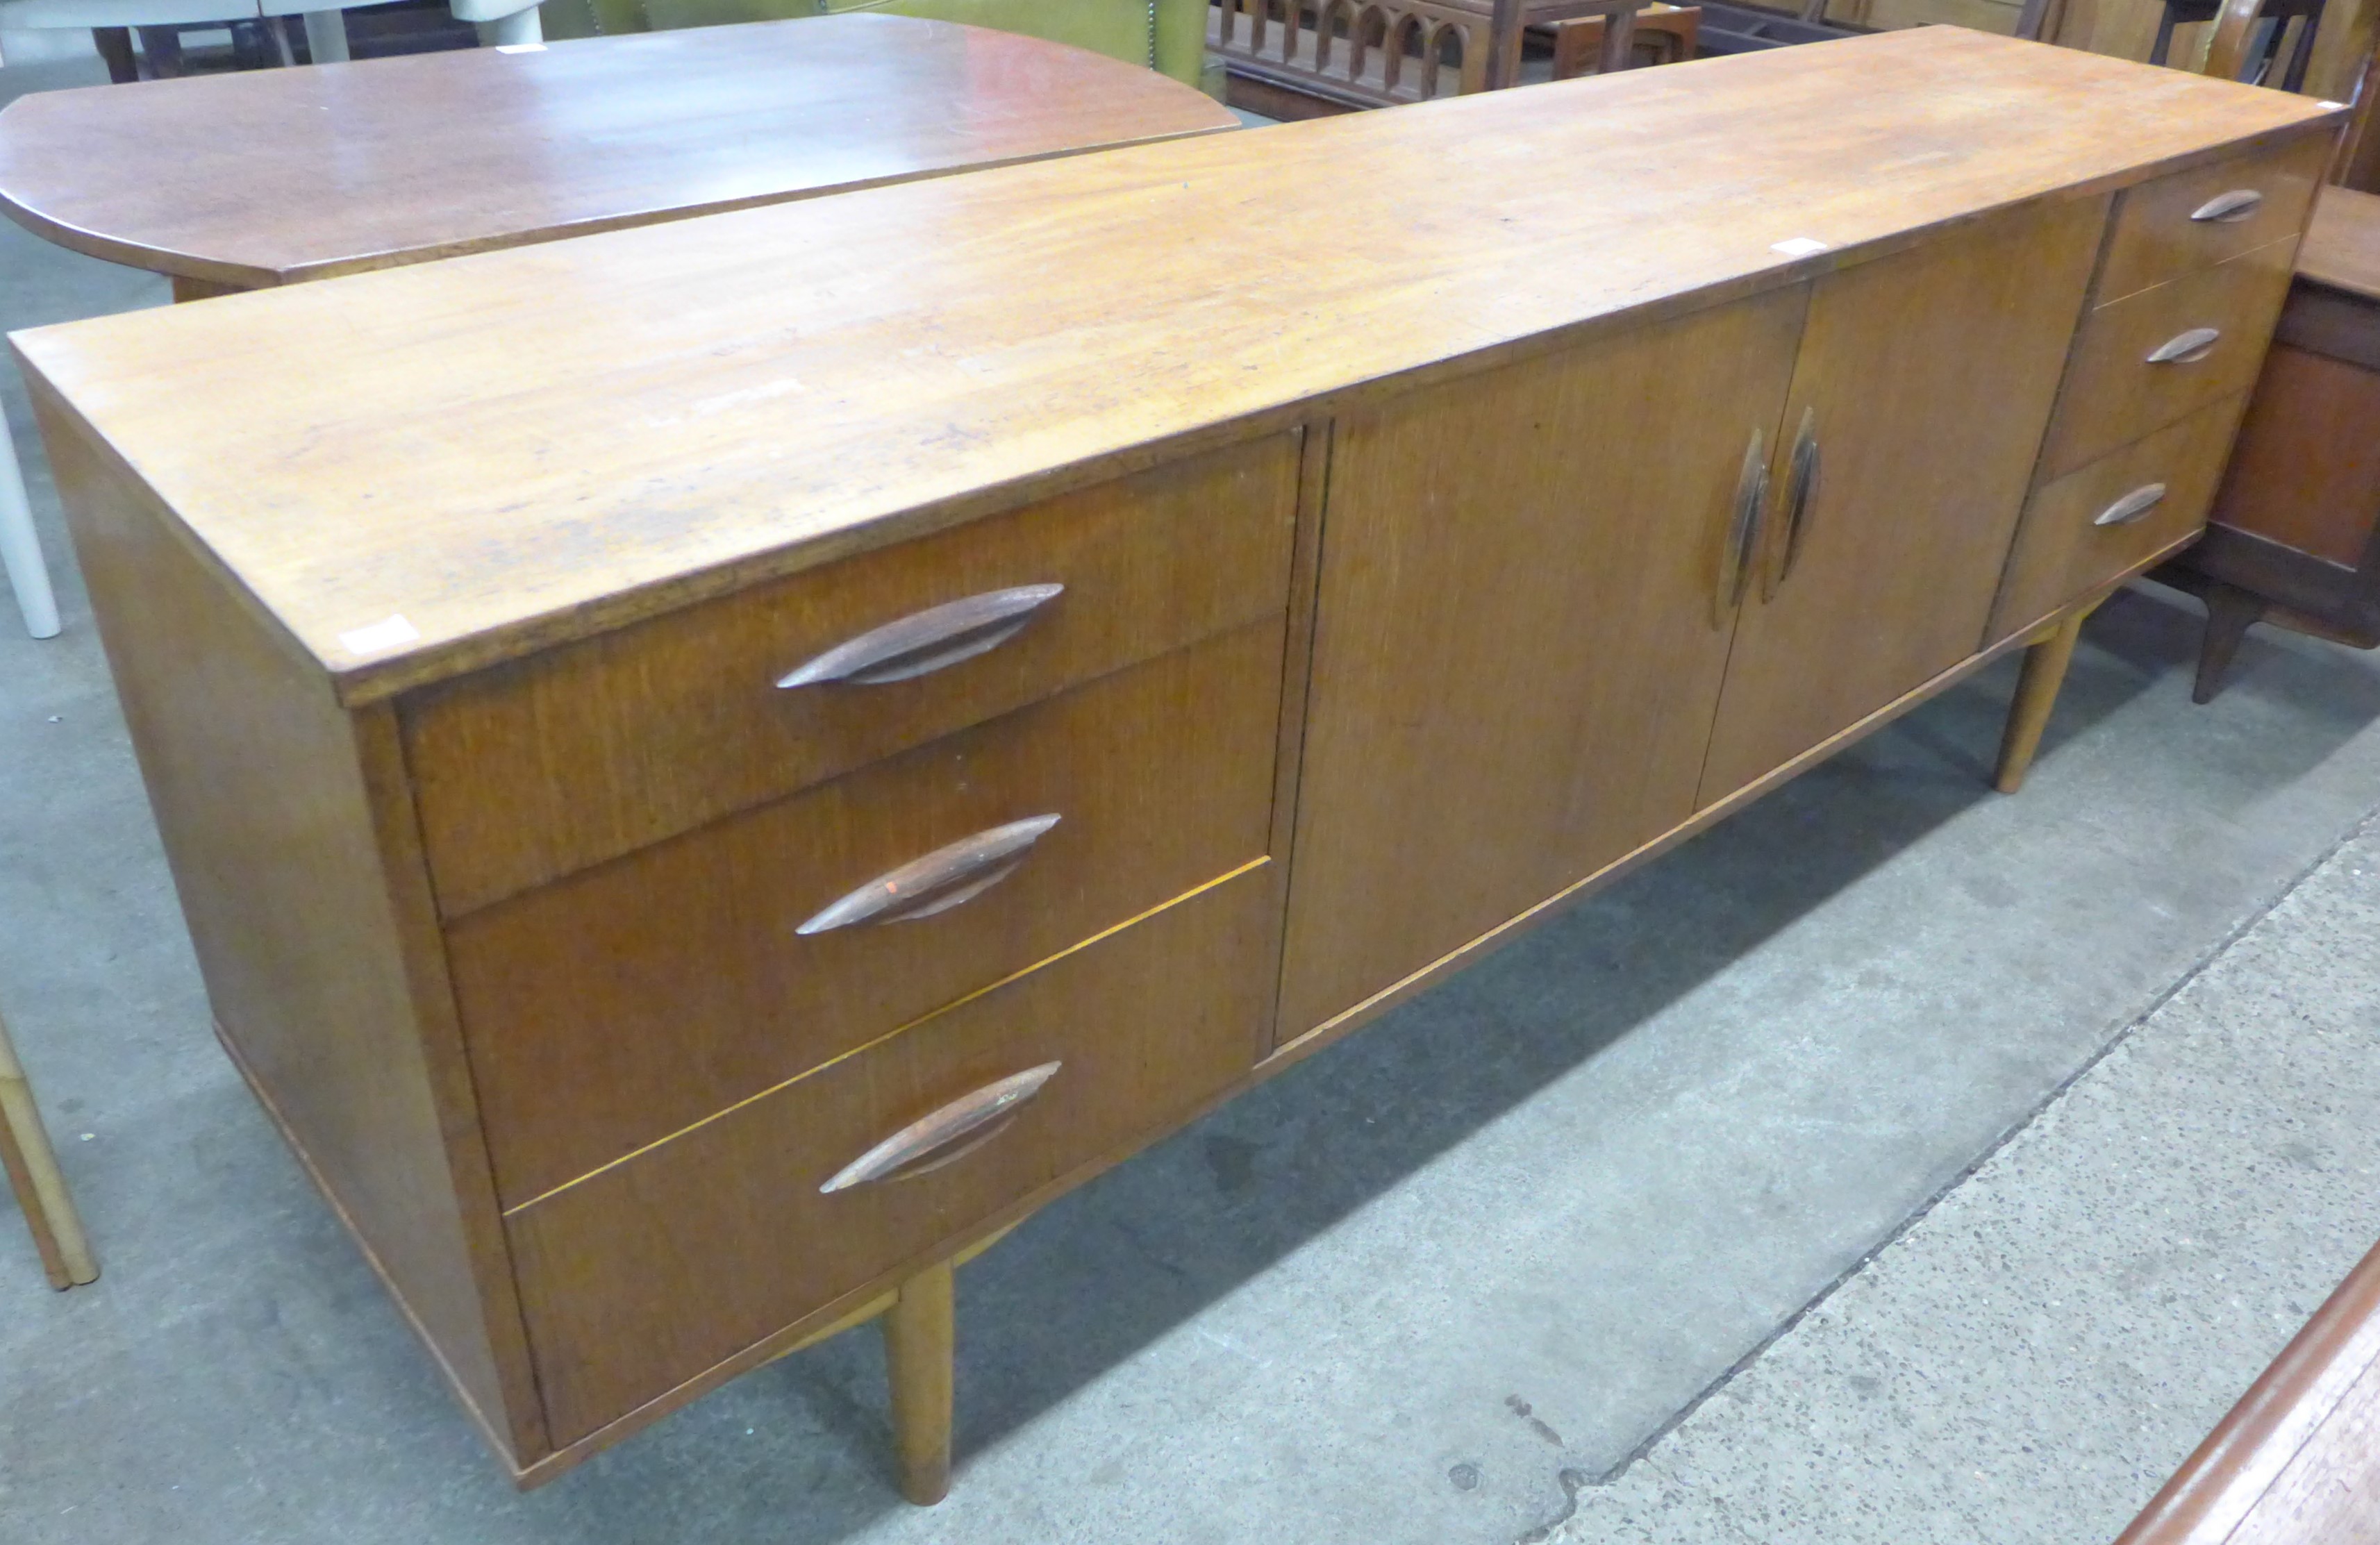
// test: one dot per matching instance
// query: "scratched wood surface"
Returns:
(525, 446)
(286, 175)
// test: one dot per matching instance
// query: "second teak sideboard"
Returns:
(713, 769)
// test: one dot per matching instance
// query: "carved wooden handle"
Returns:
(2185, 349)
(2131, 506)
(1743, 532)
(926, 640)
(938, 882)
(2230, 208)
(1800, 487)
(932, 1141)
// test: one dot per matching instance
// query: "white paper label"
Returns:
(1799, 247)
(387, 634)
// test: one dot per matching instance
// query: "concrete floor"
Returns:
(1439, 1285)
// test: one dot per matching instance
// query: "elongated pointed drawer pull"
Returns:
(1743, 532)
(2131, 506)
(932, 1141)
(2230, 208)
(938, 882)
(926, 640)
(2185, 349)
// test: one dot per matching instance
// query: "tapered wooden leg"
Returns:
(2230, 612)
(115, 46)
(2037, 694)
(33, 1175)
(919, 1337)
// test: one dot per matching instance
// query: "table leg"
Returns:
(20, 549)
(326, 37)
(919, 1343)
(2051, 650)
(1618, 42)
(514, 30)
(2230, 612)
(33, 1175)
(115, 46)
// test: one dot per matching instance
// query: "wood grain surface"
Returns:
(1518, 648)
(521, 448)
(2296, 1461)
(286, 175)
(2061, 556)
(2342, 243)
(289, 833)
(609, 1010)
(581, 754)
(2155, 239)
(653, 1271)
(1926, 380)
(2113, 394)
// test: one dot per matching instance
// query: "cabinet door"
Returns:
(1517, 652)
(1925, 383)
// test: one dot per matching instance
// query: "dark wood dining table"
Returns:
(265, 178)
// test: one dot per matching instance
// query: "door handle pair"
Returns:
(1740, 553)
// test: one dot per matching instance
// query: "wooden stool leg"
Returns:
(919, 1337)
(2037, 694)
(2230, 612)
(33, 1175)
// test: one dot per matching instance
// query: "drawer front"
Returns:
(2115, 393)
(538, 769)
(644, 1276)
(2104, 520)
(611, 1009)
(2187, 221)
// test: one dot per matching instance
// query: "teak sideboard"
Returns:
(713, 769)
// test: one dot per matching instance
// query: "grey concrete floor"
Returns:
(1433, 1285)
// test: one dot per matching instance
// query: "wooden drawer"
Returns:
(2063, 552)
(2178, 223)
(611, 1009)
(2114, 394)
(642, 1277)
(536, 770)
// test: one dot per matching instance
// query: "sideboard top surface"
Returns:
(512, 450)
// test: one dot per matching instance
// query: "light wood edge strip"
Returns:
(2208, 1498)
(1307, 1042)
(489, 1428)
(1255, 863)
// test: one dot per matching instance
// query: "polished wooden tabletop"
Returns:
(511, 450)
(267, 177)
(2342, 244)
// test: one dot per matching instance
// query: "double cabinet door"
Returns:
(1567, 602)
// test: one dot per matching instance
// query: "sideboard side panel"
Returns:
(274, 804)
